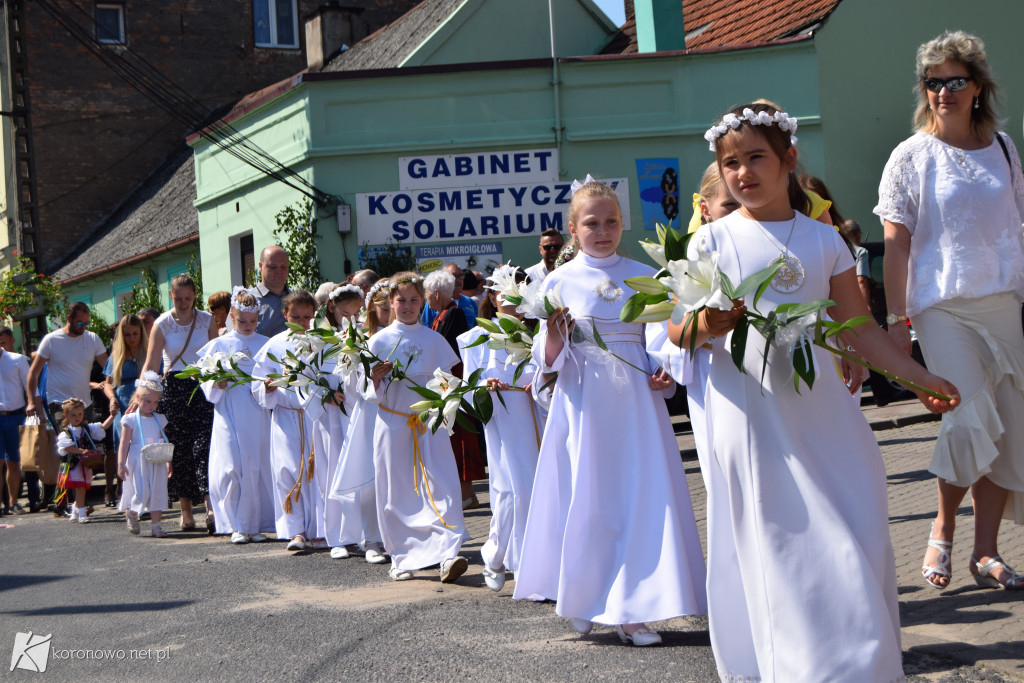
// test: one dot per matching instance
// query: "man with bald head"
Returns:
(271, 289)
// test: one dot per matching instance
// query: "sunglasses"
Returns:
(81, 323)
(954, 84)
(551, 247)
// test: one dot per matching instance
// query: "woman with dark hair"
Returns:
(951, 201)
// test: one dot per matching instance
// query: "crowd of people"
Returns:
(590, 506)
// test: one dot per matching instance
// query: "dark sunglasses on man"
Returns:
(954, 84)
(551, 247)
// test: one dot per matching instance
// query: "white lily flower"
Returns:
(796, 331)
(696, 284)
(448, 420)
(279, 382)
(656, 252)
(533, 304)
(420, 406)
(504, 281)
(443, 382)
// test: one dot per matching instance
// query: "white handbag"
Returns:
(155, 453)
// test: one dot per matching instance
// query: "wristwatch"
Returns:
(892, 319)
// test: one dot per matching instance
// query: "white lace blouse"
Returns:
(175, 336)
(964, 215)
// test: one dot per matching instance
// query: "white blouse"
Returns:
(964, 214)
(175, 336)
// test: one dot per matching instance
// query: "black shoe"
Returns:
(144, 515)
(34, 506)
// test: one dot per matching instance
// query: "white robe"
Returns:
(352, 481)
(411, 527)
(241, 488)
(611, 534)
(797, 503)
(330, 435)
(292, 438)
(513, 443)
(146, 485)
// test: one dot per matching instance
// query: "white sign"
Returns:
(478, 169)
(31, 652)
(482, 256)
(471, 214)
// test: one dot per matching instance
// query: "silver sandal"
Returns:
(942, 568)
(985, 580)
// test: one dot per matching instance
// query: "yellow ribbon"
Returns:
(413, 423)
(297, 488)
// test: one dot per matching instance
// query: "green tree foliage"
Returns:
(296, 233)
(145, 294)
(26, 292)
(195, 271)
(388, 259)
(99, 325)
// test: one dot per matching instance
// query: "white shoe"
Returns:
(239, 538)
(375, 553)
(257, 538)
(319, 544)
(134, 528)
(582, 626)
(339, 553)
(399, 574)
(83, 515)
(642, 637)
(494, 579)
(297, 543)
(74, 515)
(453, 568)
(157, 531)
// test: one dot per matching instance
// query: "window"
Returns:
(275, 23)
(122, 293)
(172, 271)
(247, 256)
(110, 24)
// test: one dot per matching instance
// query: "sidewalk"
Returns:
(964, 623)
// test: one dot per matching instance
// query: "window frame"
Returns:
(120, 289)
(120, 9)
(272, 14)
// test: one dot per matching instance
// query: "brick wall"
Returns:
(96, 138)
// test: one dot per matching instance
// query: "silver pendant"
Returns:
(790, 275)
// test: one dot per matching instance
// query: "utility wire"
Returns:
(181, 105)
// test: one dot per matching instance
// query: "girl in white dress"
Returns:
(418, 493)
(351, 501)
(240, 484)
(74, 440)
(610, 534)
(513, 441)
(144, 484)
(294, 462)
(797, 503)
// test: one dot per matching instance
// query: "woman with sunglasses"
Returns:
(951, 201)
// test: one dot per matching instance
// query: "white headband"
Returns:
(577, 184)
(150, 380)
(238, 305)
(347, 287)
(785, 122)
(377, 286)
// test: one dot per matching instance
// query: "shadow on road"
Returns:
(100, 609)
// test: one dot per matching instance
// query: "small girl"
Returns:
(74, 441)
(513, 438)
(293, 457)
(796, 485)
(241, 486)
(145, 483)
(611, 534)
(418, 503)
(352, 482)
(378, 307)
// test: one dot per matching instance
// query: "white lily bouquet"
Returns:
(444, 401)
(683, 288)
(217, 367)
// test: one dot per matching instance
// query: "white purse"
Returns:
(155, 453)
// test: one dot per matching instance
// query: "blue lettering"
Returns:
(508, 224)
(495, 193)
(440, 168)
(536, 195)
(474, 199)
(417, 168)
(444, 232)
(563, 194)
(400, 230)
(519, 223)
(499, 163)
(377, 205)
(488, 223)
(463, 166)
(401, 203)
(551, 220)
(467, 227)
(543, 158)
(517, 196)
(522, 161)
(451, 201)
(423, 229)
(426, 201)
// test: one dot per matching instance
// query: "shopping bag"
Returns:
(37, 449)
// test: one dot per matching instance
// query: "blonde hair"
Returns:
(594, 190)
(245, 299)
(66, 407)
(379, 298)
(709, 184)
(119, 353)
(968, 50)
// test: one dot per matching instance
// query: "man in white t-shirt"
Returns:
(13, 377)
(551, 243)
(68, 354)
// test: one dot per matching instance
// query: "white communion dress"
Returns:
(801, 572)
(610, 534)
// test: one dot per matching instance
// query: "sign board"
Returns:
(478, 169)
(482, 256)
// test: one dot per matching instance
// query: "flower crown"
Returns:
(238, 305)
(347, 287)
(377, 286)
(150, 380)
(70, 403)
(577, 184)
(785, 122)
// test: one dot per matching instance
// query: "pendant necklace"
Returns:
(790, 275)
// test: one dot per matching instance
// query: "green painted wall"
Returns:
(866, 56)
(612, 112)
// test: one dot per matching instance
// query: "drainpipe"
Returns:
(554, 81)
(659, 25)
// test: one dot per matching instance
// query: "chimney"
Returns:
(659, 25)
(330, 27)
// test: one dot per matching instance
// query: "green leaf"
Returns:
(756, 281)
(474, 378)
(482, 339)
(738, 343)
(295, 327)
(760, 292)
(633, 307)
(646, 284)
(518, 374)
(507, 326)
(426, 393)
(488, 325)
(803, 364)
(597, 339)
(548, 308)
(484, 404)
(465, 422)
(655, 313)
(554, 376)
(727, 287)
(502, 399)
